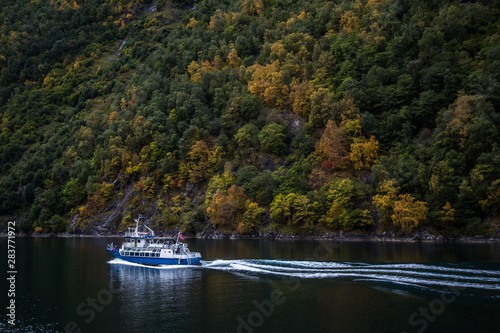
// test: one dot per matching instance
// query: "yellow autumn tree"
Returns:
(233, 60)
(349, 21)
(278, 51)
(193, 23)
(447, 214)
(194, 69)
(491, 204)
(300, 93)
(460, 114)
(206, 66)
(250, 218)
(364, 153)
(254, 7)
(113, 117)
(123, 104)
(268, 82)
(292, 210)
(202, 162)
(408, 213)
(388, 191)
(217, 20)
(349, 111)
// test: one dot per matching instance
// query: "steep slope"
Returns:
(250, 116)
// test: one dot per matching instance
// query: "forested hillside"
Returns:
(249, 116)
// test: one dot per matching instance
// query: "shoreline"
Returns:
(416, 238)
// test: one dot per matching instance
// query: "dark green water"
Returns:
(257, 286)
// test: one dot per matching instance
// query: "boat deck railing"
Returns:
(130, 234)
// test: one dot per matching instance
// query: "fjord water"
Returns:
(72, 284)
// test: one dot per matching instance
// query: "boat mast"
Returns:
(136, 232)
(152, 232)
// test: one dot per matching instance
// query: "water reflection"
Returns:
(162, 291)
(145, 282)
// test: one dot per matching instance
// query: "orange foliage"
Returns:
(226, 211)
(333, 146)
(193, 23)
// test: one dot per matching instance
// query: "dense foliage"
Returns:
(250, 116)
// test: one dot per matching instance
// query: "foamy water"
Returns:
(425, 276)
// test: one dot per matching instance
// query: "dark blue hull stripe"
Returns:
(156, 261)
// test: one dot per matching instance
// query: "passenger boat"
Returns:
(143, 247)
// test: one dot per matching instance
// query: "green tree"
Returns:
(247, 140)
(292, 210)
(73, 193)
(250, 219)
(346, 200)
(272, 139)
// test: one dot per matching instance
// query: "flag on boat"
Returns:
(180, 236)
